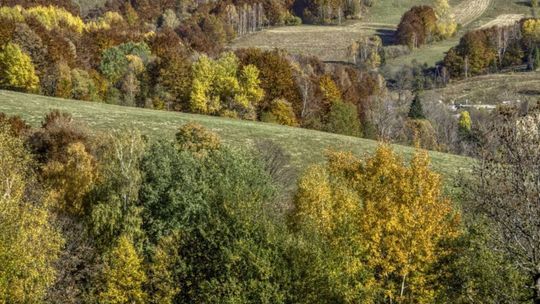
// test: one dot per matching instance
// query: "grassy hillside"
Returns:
(328, 43)
(390, 11)
(491, 89)
(305, 146)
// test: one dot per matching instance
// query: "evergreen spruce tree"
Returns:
(416, 111)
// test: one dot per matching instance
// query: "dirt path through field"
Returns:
(469, 10)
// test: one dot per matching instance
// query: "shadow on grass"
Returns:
(530, 92)
(526, 3)
(388, 37)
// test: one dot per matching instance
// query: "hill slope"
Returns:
(305, 146)
(490, 89)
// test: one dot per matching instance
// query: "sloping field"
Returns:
(331, 43)
(390, 11)
(504, 20)
(305, 146)
(328, 43)
(499, 8)
(491, 89)
(469, 10)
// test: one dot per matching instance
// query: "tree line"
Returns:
(494, 49)
(172, 57)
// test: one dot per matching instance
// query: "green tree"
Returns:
(123, 275)
(536, 58)
(115, 210)
(83, 86)
(228, 242)
(416, 111)
(115, 63)
(166, 268)
(474, 273)
(343, 119)
(29, 244)
(16, 69)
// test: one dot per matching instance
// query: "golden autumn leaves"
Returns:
(392, 215)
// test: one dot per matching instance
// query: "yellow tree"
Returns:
(282, 112)
(394, 213)
(123, 275)
(73, 179)
(220, 87)
(403, 220)
(163, 269)
(446, 21)
(327, 207)
(29, 244)
(16, 69)
(330, 90)
(531, 29)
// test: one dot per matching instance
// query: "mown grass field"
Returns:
(390, 11)
(328, 43)
(305, 146)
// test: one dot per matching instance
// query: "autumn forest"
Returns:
(117, 215)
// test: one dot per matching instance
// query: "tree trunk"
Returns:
(403, 287)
